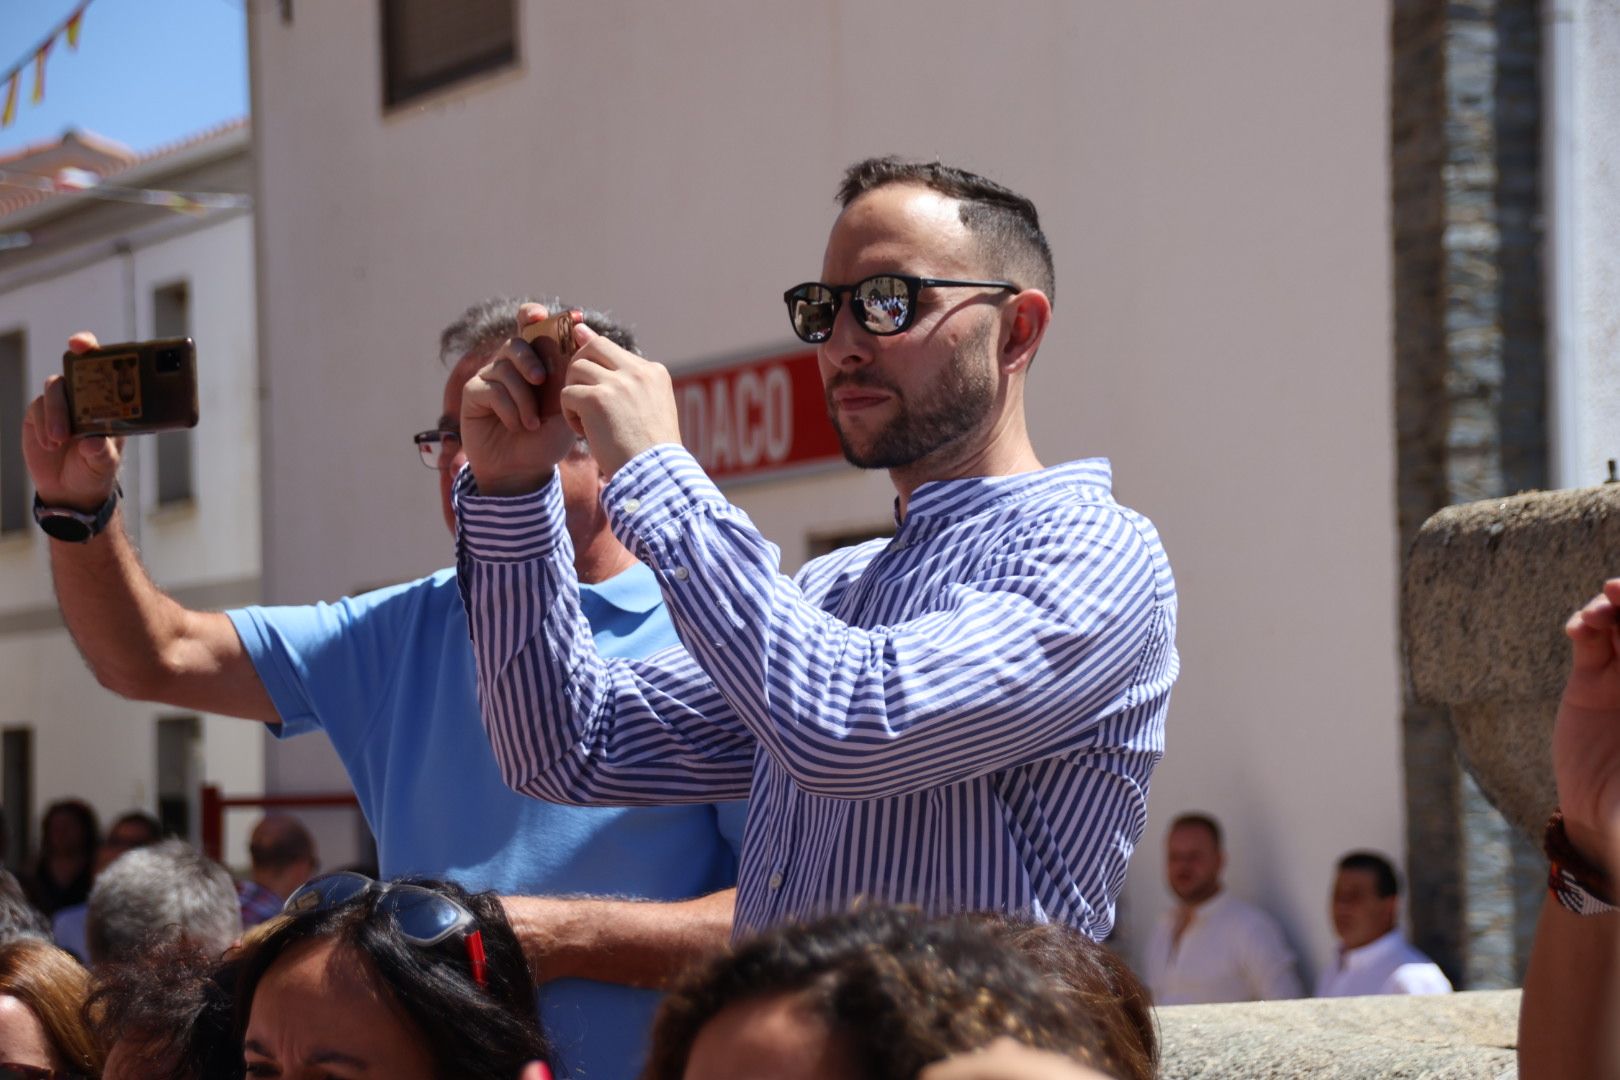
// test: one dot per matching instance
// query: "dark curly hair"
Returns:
(473, 1032)
(1100, 983)
(897, 989)
(174, 1004)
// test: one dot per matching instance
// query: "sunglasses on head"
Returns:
(424, 917)
(884, 304)
(11, 1070)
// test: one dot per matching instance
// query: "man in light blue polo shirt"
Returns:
(389, 677)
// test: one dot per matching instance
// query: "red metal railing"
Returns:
(215, 803)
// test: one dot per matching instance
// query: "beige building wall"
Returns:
(1213, 180)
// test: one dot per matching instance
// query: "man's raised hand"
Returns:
(1586, 737)
(511, 430)
(78, 474)
(622, 403)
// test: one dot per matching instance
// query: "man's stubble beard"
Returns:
(953, 407)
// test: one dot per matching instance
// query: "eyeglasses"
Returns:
(424, 917)
(885, 304)
(437, 449)
(11, 1070)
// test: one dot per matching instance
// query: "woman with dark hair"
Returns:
(406, 979)
(1099, 983)
(169, 1014)
(42, 1030)
(875, 994)
(69, 836)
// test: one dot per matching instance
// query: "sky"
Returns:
(146, 73)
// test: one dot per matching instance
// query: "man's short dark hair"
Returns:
(484, 326)
(147, 823)
(1385, 883)
(280, 842)
(1200, 821)
(1005, 223)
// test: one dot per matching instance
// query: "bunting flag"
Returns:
(68, 28)
(84, 182)
(75, 21)
(39, 72)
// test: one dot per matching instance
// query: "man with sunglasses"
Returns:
(388, 676)
(965, 716)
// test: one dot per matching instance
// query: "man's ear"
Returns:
(1023, 325)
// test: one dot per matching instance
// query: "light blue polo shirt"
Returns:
(389, 677)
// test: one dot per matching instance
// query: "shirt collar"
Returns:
(939, 499)
(1370, 952)
(634, 590)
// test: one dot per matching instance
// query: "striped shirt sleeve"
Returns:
(566, 724)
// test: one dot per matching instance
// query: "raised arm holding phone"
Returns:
(388, 676)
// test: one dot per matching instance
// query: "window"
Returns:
(171, 317)
(16, 792)
(427, 44)
(179, 772)
(14, 510)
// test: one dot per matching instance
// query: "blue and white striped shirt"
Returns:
(964, 717)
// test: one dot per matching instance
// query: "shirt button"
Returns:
(775, 881)
(679, 573)
(630, 506)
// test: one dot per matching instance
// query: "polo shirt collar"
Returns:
(634, 591)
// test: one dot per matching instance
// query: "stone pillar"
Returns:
(1470, 402)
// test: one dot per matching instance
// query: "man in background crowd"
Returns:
(1212, 946)
(1374, 956)
(162, 892)
(133, 829)
(281, 853)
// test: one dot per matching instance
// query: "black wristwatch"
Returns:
(75, 526)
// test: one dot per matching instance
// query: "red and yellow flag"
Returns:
(10, 113)
(74, 22)
(39, 71)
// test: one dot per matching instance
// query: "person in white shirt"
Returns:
(1212, 946)
(1374, 956)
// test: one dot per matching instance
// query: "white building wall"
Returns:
(1213, 180)
(88, 742)
(1583, 148)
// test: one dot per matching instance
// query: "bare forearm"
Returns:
(629, 942)
(140, 643)
(1566, 1019)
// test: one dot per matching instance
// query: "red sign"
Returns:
(756, 416)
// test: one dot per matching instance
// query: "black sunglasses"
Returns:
(885, 304)
(424, 917)
(11, 1070)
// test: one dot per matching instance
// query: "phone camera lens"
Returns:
(169, 361)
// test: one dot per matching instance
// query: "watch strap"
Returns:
(75, 526)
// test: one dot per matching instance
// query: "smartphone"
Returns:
(558, 331)
(132, 389)
(559, 328)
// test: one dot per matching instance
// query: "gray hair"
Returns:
(484, 326)
(159, 893)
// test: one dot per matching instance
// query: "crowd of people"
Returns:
(645, 805)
